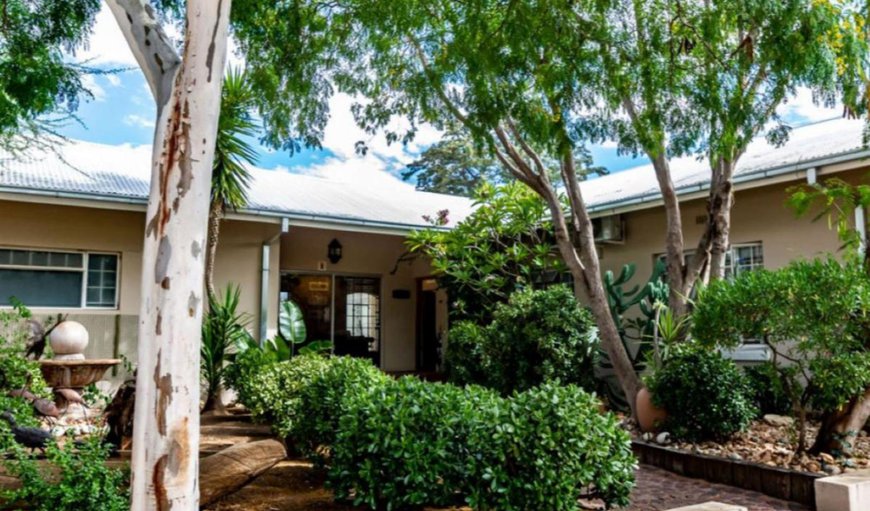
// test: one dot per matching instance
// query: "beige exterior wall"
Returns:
(759, 215)
(376, 255)
(239, 261)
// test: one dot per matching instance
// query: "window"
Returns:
(740, 258)
(41, 278)
(743, 258)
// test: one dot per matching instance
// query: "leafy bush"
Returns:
(325, 399)
(416, 443)
(767, 390)
(538, 336)
(239, 375)
(548, 447)
(76, 477)
(405, 444)
(814, 314)
(464, 360)
(277, 389)
(707, 396)
(222, 329)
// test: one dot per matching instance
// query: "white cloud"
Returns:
(113, 79)
(368, 171)
(89, 81)
(139, 121)
(801, 107)
(106, 45)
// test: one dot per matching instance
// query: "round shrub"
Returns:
(538, 336)
(405, 444)
(707, 396)
(549, 447)
(277, 391)
(463, 361)
(325, 398)
(767, 390)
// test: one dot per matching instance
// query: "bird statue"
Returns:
(24, 394)
(119, 415)
(32, 438)
(69, 396)
(46, 408)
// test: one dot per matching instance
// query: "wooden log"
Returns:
(225, 472)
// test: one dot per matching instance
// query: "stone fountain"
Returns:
(69, 369)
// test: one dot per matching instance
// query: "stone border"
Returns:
(775, 482)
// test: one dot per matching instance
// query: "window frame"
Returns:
(84, 270)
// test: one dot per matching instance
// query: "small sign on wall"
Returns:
(321, 265)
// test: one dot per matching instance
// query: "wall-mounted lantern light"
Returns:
(334, 252)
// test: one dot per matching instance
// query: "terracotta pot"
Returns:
(69, 340)
(649, 416)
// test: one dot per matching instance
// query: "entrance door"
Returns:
(428, 344)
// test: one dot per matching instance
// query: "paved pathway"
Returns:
(659, 490)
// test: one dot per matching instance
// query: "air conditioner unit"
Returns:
(609, 229)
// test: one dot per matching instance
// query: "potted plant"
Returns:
(669, 330)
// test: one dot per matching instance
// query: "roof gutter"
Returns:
(653, 199)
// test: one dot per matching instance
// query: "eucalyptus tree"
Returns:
(706, 78)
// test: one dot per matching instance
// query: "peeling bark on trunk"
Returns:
(839, 430)
(215, 215)
(187, 90)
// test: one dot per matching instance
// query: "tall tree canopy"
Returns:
(36, 81)
(455, 166)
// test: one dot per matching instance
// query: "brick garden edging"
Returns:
(772, 481)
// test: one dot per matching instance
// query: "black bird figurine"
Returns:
(32, 438)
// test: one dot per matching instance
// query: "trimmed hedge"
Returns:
(707, 396)
(393, 444)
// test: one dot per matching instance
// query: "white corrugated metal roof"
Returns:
(806, 144)
(122, 173)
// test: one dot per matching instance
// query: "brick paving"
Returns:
(660, 490)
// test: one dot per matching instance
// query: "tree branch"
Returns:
(152, 48)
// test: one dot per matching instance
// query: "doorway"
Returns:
(343, 309)
(428, 338)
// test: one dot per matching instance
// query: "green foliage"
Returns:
(240, 375)
(548, 446)
(464, 360)
(768, 390)
(835, 200)
(454, 166)
(17, 371)
(538, 336)
(324, 400)
(707, 397)
(37, 79)
(73, 477)
(503, 246)
(222, 329)
(405, 444)
(230, 179)
(275, 394)
(416, 443)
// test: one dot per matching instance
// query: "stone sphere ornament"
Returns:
(69, 340)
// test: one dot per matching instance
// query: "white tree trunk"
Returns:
(187, 90)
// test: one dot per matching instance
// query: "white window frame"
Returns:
(84, 269)
(733, 253)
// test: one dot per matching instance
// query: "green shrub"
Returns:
(277, 391)
(464, 359)
(239, 375)
(325, 398)
(706, 396)
(406, 444)
(76, 477)
(767, 390)
(548, 447)
(538, 336)
(416, 443)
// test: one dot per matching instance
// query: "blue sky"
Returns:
(122, 112)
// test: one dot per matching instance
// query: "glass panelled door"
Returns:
(343, 309)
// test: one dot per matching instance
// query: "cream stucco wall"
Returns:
(303, 249)
(759, 215)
